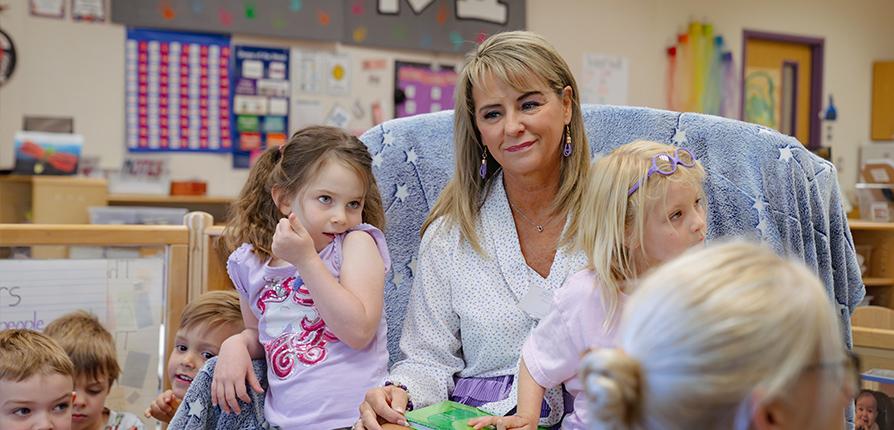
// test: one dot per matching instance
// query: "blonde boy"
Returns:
(205, 323)
(36, 382)
(92, 351)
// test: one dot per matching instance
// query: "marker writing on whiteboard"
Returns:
(9, 297)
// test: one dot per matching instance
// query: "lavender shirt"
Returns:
(316, 381)
(553, 352)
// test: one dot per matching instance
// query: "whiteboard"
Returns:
(127, 295)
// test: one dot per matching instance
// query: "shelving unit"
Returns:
(879, 276)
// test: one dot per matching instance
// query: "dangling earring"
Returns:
(482, 171)
(567, 150)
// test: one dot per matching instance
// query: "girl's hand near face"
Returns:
(291, 241)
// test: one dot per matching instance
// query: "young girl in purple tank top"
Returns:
(309, 264)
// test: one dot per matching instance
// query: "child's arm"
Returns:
(351, 305)
(234, 367)
(527, 416)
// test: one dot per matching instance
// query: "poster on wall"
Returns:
(47, 8)
(177, 95)
(604, 79)
(421, 88)
(321, 73)
(763, 95)
(88, 10)
(260, 100)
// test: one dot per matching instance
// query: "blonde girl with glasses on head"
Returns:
(725, 337)
(644, 205)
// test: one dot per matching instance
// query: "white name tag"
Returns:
(537, 302)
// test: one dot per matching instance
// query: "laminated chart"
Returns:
(177, 94)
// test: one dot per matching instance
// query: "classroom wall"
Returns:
(856, 33)
(77, 69)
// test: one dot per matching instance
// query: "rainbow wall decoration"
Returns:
(701, 75)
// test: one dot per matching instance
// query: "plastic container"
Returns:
(876, 202)
(136, 215)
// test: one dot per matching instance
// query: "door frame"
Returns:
(817, 49)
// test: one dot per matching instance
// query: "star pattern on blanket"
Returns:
(411, 156)
(387, 139)
(785, 154)
(679, 137)
(412, 267)
(196, 408)
(397, 278)
(762, 227)
(759, 204)
(765, 130)
(378, 159)
(402, 193)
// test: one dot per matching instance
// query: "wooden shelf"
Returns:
(86, 234)
(878, 282)
(859, 224)
(151, 199)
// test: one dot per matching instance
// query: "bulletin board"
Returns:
(448, 26)
(291, 19)
(177, 92)
(127, 295)
(426, 88)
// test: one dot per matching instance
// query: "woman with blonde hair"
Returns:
(725, 337)
(498, 239)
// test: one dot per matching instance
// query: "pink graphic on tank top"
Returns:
(282, 304)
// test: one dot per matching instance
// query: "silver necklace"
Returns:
(539, 227)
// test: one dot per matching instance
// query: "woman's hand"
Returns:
(511, 422)
(164, 407)
(232, 371)
(292, 242)
(388, 404)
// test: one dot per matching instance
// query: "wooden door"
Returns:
(782, 80)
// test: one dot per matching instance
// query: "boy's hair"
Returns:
(89, 345)
(25, 353)
(254, 215)
(705, 331)
(524, 60)
(213, 308)
(610, 219)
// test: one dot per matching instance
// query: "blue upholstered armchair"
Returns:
(760, 184)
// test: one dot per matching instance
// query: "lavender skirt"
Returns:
(478, 391)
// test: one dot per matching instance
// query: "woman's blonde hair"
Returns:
(524, 60)
(254, 215)
(610, 220)
(705, 331)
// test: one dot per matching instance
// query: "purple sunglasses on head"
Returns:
(680, 156)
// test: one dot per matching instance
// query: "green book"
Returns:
(446, 415)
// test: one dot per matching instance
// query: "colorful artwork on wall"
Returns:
(701, 75)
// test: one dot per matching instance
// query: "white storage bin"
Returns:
(876, 202)
(136, 215)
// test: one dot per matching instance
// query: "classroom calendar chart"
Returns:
(177, 94)
(426, 88)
